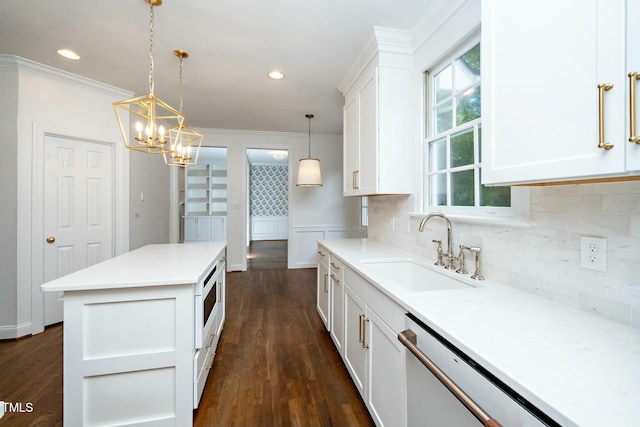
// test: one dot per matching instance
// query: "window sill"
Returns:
(495, 221)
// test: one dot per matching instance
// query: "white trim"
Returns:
(8, 332)
(23, 64)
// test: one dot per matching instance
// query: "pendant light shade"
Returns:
(153, 117)
(309, 174)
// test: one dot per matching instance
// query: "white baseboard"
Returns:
(15, 331)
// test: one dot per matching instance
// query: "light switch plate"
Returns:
(593, 253)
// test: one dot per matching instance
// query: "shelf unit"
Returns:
(205, 202)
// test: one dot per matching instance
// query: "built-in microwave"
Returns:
(205, 302)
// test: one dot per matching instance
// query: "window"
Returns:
(454, 136)
(364, 212)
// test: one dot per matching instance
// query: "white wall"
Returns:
(542, 259)
(149, 200)
(48, 102)
(318, 207)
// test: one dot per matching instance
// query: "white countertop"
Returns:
(151, 265)
(579, 368)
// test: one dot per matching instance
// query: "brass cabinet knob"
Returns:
(51, 239)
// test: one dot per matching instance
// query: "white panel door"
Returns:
(78, 211)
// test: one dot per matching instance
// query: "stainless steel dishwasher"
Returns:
(445, 387)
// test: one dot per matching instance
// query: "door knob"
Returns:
(51, 239)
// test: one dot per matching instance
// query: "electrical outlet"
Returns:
(593, 253)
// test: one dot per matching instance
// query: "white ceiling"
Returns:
(232, 45)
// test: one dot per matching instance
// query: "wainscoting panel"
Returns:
(269, 227)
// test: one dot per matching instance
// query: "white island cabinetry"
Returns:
(132, 327)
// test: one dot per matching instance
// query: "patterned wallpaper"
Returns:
(268, 190)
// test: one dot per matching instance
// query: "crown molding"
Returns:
(23, 64)
(434, 17)
(380, 40)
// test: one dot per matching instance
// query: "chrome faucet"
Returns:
(449, 255)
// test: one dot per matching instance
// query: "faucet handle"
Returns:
(439, 253)
(461, 268)
(476, 274)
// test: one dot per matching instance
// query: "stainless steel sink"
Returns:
(412, 276)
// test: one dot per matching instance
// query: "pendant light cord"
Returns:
(309, 116)
(151, 16)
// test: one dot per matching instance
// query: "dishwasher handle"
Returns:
(408, 339)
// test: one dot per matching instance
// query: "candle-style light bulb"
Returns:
(139, 130)
(161, 133)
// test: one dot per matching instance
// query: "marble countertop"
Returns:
(151, 265)
(580, 368)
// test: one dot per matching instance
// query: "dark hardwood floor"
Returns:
(267, 254)
(275, 364)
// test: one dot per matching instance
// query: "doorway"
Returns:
(268, 208)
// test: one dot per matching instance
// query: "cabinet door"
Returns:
(386, 383)
(350, 148)
(197, 229)
(218, 228)
(355, 351)
(633, 65)
(368, 129)
(539, 89)
(337, 311)
(322, 296)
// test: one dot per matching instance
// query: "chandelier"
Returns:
(185, 142)
(152, 115)
(309, 168)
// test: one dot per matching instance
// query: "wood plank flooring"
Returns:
(275, 365)
(267, 254)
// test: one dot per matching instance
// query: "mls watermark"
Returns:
(15, 407)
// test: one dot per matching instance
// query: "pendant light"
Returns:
(309, 169)
(152, 115)
(185, 142)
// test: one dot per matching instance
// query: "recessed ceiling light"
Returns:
(67, 53)
(276, 75)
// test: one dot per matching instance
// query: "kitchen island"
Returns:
(140, 332)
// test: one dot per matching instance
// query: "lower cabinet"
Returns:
(360, 318)
(337, 311)
(322, 297)
(205, 228)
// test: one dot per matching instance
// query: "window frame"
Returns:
(519, 196)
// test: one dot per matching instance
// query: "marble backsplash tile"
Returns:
(543, 259)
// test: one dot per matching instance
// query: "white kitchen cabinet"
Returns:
(355, 345)
(363, 324)
(540, 105)
(336, 303)
(377, 123)
(205, 228)
(322, 297)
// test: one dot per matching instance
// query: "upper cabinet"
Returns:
(557, 98)
(377, 118)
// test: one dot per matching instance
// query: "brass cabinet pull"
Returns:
(602, 87)
(357, 186)
(353, 180)
(325, 282)
(321, 253)
(360, 316)
(364, 332)
(51, 239)
(337, 267)
(335, 279)
(633, 76)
